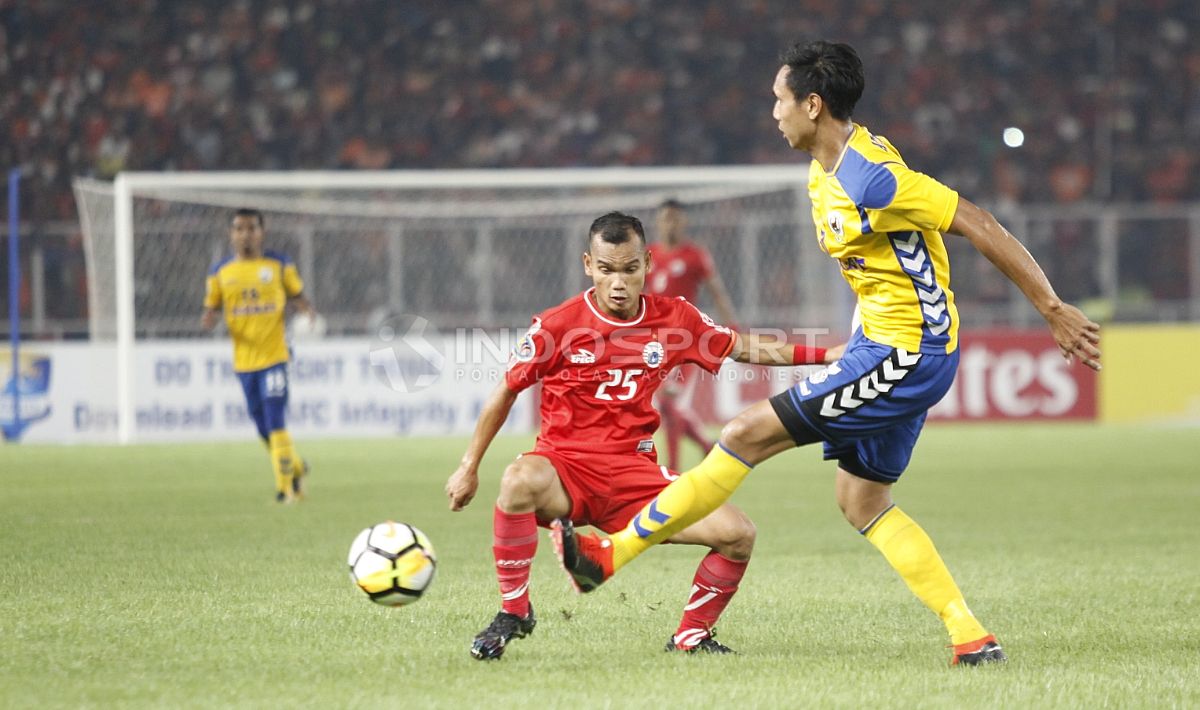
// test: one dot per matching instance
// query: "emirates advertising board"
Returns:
(187, 390)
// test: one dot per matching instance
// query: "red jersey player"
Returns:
(681, 267)
(600, 356)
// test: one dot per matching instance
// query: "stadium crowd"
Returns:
(1107, 94)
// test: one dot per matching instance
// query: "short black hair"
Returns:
(672, 202)
(614, 228)
(248, 212)
(830, 70)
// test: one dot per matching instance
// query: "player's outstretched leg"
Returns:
(491, 642)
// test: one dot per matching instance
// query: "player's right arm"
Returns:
(532, 358)
(464, 482)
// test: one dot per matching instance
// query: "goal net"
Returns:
(458, 248)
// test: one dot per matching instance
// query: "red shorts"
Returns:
(606, 490)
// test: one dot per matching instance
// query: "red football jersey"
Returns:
(599, 374)
(678, 271)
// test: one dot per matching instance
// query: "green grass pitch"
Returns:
(163, 576)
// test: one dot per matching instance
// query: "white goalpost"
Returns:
(479, 248)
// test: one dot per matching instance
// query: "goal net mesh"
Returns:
(457, 256)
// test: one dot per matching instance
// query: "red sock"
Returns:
(673, 428)
(514, 543)
(715, 583)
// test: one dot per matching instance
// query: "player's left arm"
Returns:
(1075, 333)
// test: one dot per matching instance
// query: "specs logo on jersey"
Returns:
(834, 219)
(265, 274)
(653, 353)
(582, 356)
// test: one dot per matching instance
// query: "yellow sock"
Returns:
(689, 498)
(911, 553)
(283, 459)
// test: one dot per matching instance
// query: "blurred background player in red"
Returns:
(681, 267)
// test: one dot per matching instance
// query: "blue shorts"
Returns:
(868, 407)
(266, 393)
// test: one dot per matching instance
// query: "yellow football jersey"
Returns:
(883, 224)
(253, 293)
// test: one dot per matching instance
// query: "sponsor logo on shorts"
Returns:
(645, 446)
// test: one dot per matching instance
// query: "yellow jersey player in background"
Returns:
(883, 223)
(253, 287)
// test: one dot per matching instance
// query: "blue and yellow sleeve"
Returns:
(907, 199)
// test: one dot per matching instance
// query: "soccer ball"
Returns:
(393, 563)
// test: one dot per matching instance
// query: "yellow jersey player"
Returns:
(253, 287)
(883, 224)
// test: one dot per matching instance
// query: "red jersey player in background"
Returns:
(681, 267)
(600, 356)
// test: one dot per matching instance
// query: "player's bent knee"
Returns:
(522, 483)
(738, 433)
(756, 434)
(736, 537)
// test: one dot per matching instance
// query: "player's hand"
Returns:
(461, 487)
(1076, 334)
(208, 319)
(835, 353)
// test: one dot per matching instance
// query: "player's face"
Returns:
(619, 273)
(671, 223)
(796, 117)
(246, 235)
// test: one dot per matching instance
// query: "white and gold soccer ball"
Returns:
(393, 563)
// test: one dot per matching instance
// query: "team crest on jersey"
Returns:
(265, 274)
(653, 353)
(834, 219)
